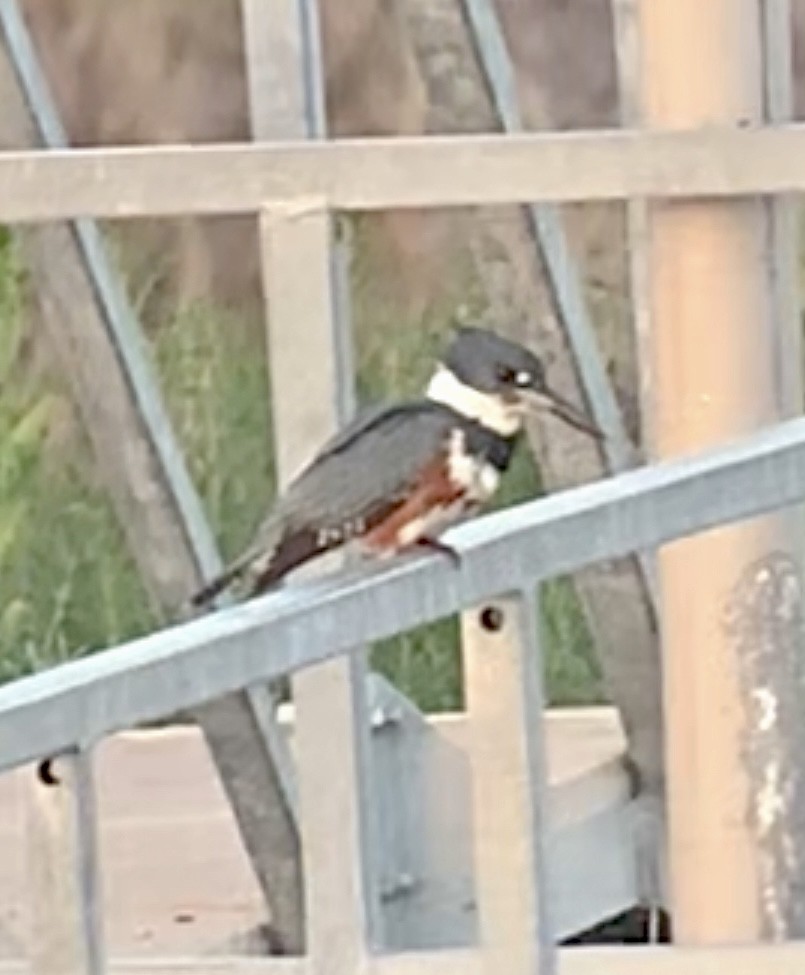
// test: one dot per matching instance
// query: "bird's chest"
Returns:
(455, 484)
(470, 471)
(469, 481)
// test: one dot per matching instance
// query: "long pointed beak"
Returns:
(551, 401)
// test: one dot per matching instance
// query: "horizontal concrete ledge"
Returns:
(378, 174)
(786, 959)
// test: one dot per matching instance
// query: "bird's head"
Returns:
(497, 383)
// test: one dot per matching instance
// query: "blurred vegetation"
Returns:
(66, 583)
(67, 586)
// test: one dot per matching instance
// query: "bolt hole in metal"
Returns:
(492, 619)
(47, 774)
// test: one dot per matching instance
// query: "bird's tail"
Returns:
(254, 560)
(205, 595)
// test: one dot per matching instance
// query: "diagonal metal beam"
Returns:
(565, 282)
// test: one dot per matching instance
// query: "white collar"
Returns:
(488, 409)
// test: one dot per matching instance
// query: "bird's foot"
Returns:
(434, 545)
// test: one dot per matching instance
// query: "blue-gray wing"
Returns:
(358, 477)
(361, 474)
(368, 465)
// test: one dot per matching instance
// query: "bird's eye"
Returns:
(506, 375)
(523, 379)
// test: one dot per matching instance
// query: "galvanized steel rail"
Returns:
(77, 703)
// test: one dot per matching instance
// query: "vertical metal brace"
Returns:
(627, 63)
(648, 821)
(65, 894)
(778, 97)
(305, 280)
(505, 702)
(307, 352)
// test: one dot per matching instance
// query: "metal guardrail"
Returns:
(77, 703)
(503, 556)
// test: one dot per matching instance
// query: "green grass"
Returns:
(67, 585)
(214, 378)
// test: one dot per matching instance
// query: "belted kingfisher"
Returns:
(398, 475)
